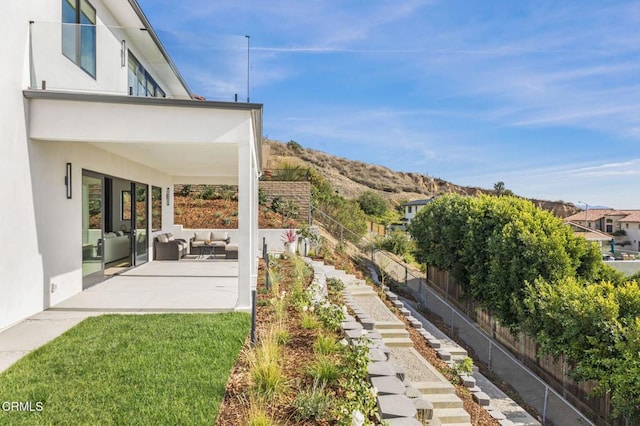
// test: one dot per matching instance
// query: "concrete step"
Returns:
(436, 422)
(390, 333)
(443, 400)
(448, 416)
(383, 325)
(356, 289)
(427, 388)
(455, 351)
(398, 342)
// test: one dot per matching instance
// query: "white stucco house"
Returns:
(96, 126)
(624, 225)
(413, 207)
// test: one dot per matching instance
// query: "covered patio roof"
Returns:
(192, 141)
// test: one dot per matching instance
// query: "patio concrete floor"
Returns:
(163, 286)
(185, 286)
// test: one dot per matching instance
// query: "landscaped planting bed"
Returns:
(298, 372)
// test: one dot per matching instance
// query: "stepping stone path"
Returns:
(410, 390)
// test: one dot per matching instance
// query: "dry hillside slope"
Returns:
(351, 178)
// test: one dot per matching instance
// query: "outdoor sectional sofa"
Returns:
(167, 247)
(217, 240)
(116, 246)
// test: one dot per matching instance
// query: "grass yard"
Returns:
(129, 369)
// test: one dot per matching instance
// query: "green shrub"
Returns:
(313, 404)
(373, 204)
(324, 369)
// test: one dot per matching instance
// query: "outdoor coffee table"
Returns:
(206, 251)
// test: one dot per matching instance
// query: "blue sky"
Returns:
(542, 95)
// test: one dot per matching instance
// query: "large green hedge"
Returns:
(527, 267)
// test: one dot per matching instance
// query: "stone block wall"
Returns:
(298, 192)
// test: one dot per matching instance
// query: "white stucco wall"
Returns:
(20, 261)
(59, 241)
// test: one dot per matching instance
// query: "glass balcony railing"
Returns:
(127, 61)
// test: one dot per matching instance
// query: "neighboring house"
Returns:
(624, 225)
(413, 207)
(601, 238)
(96, 126)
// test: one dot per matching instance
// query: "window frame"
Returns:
(77, 33)
(144, 82)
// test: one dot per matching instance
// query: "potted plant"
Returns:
(289, 238)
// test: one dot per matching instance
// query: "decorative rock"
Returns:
(376, 355)
(468, 381)
(351, 325)
(368, 323)
(399, 372)
(415, 323)
(482, 398)
(375, 369)
(374, 335)
(444, 355)
(425, 409)
(498, 415)
(392, 406)
(412, 392)
(388, 385)
(403, 421)
(353, 334)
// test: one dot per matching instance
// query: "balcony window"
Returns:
(140, 81)
(79, 34)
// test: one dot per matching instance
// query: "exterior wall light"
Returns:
(67, 181)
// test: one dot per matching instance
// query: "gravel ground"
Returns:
(375, 308)
(414, 365)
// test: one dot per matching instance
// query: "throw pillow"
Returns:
(220, 236)
(163, 238)
(201, 236)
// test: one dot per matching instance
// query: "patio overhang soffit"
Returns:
(193, 141)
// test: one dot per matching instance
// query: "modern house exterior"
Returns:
(413, 207)
(624, 225)
(96, 126)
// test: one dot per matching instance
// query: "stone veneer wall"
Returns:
(298, 192)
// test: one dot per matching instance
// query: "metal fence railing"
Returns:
(551, 405)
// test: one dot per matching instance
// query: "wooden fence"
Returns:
(554, 372)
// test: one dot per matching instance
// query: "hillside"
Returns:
(351, 178)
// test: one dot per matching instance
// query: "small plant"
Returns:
(464, 366)
(313, 404)
(326, 344)
(324, 369)
(267, 375)
(331, 315)
(256, 415)
(185, 191)
(289, 236)
(360, 398)
(308, 321)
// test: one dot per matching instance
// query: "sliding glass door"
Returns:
(92, 226)
(141, 223)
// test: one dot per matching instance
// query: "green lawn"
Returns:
(129, 369)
